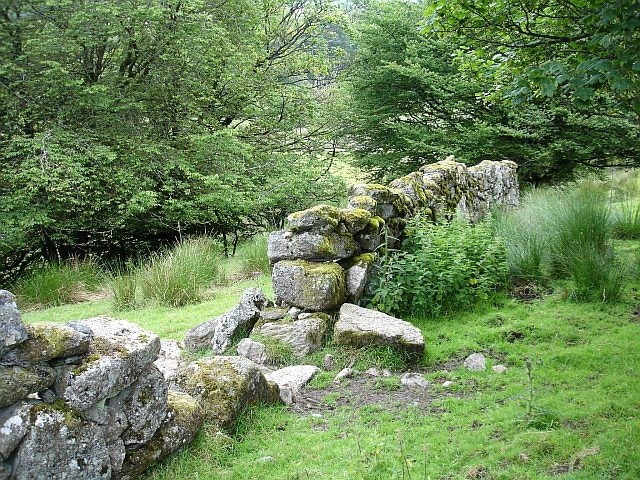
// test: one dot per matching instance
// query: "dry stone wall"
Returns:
(325, 255)
(85, 400)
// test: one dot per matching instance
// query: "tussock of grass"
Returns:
(58, 283)
(252, 254)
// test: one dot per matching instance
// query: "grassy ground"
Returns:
(567, 406)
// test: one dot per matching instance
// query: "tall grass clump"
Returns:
(180, 276)
(441, 268)
(173, 277)
(253, 254)
(59, 283)
(626, 219)
(558, 234)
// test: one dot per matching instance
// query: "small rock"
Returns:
(14, 423)
(361, 327)
(48, 341)
(294, 312)
(342, 374)
(386, 372)
(292, 379)
(413, 380)
(18, 382)
(327, 361)
(447, 384)
(266, 459)
(499, 368)
(476, 362)
(254, 351)
(273, 314)
(217, 332)
(374, 372)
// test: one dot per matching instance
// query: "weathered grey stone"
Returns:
(363, 202)
(499, 369)
(390, 202)
(112, 421)
(355, 219)
(217, 332)
(313, 246)
(273, 314)
(5, 471)
(144, 403)
(414, 380)
(303, 336)
(476, 362)
(321, 218)
(169, 359)
(359, 327)
(224, 386)
(181, 424)
(119, 352)
(357, 276)
(294, 312)
(254, 351)
(447, 384)
(372, 236)
(412, 187)
(12, 330)
(14, 423)
(292, 379)
(60, 445)
(310, 286)
(16, 383)
(47, 341)
(117, 453)
(494, 183)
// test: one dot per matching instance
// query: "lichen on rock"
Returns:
(309, 286)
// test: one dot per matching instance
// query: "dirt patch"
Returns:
(365, 390)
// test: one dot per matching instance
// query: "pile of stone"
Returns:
(85, 400)
(324, 256)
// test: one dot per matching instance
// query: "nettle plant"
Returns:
(442, 267)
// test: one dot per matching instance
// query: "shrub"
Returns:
(59, 283)
(442, 268)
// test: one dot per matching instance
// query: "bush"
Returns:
(59, 283)
(442, 268)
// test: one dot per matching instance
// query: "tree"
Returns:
(573, 48)
(126, 124)
(412, 103)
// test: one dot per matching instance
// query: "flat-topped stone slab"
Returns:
(361, 327)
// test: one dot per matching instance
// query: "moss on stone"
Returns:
(318, 217)
(355, 219)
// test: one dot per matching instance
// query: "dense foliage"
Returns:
(415, 98)
(441, 268)
(127, 124)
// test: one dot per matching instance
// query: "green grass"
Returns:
(58, 283)
(168, 322)
(252, 255)
(576, 413)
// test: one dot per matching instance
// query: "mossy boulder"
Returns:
(361, 327)
(355, 219)
(120, 351)
(321, 218)
(12, 329)
(412, 187)
(225, 386)
(372, 236)
(14, 423)
(48, 341)
(145, 404)
(61, 445)
(390, 202)
(309, 286)
(312, 246)
(304, 336)
(180, 426)
(362, 202)
(16, 382)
